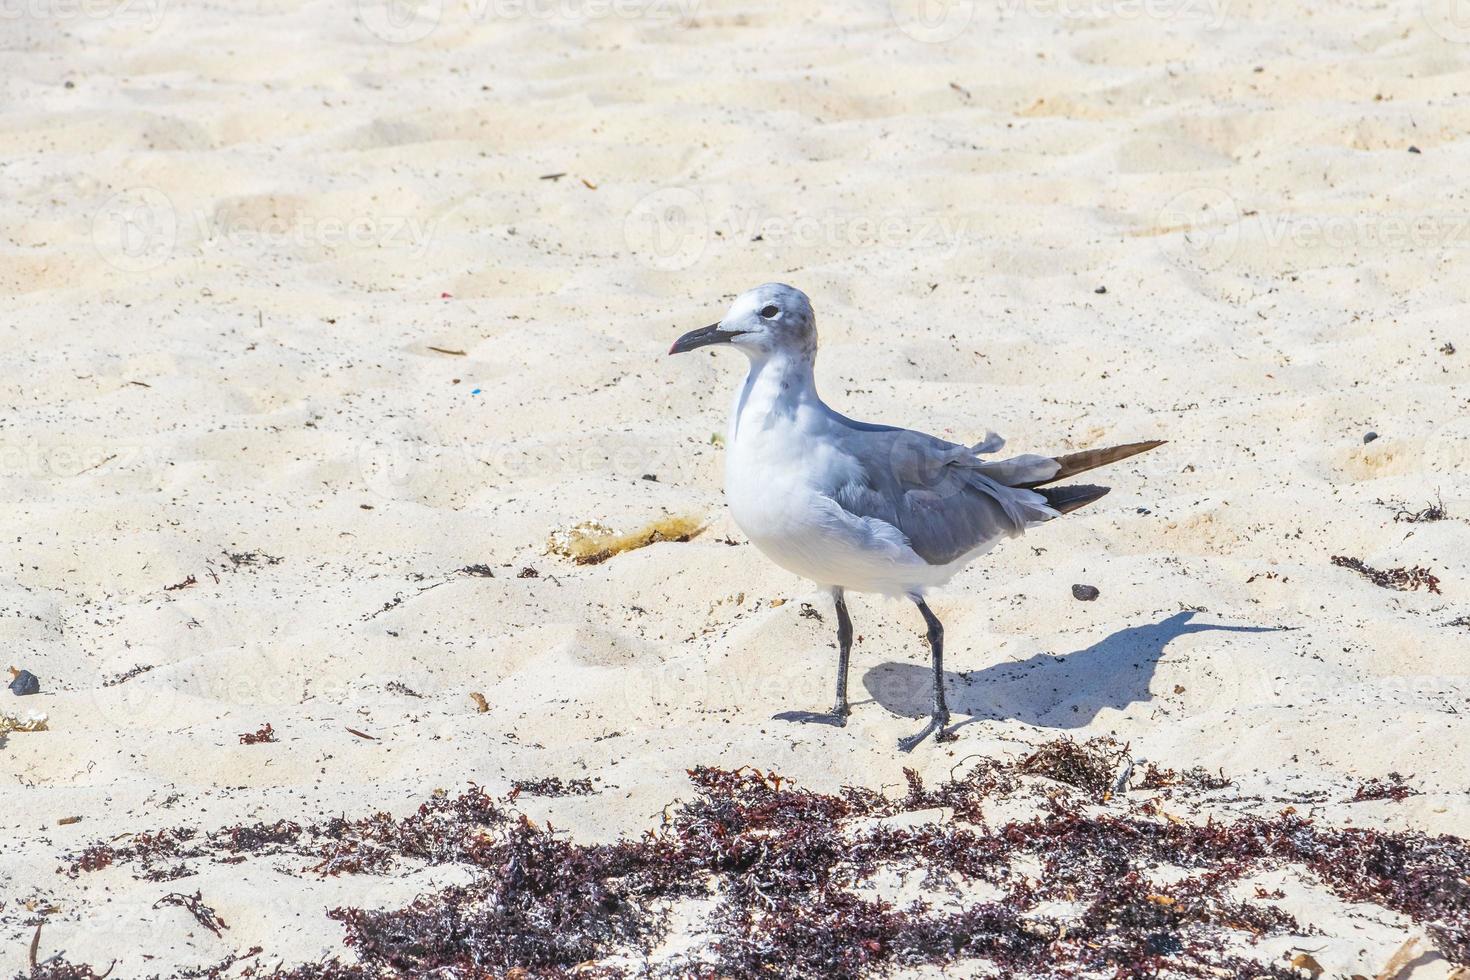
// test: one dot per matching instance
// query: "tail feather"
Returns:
(1064, 500)
(1088, 459)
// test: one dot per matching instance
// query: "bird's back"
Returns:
(934, 491)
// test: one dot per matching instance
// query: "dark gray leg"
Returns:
(940, 717)
(840, 710)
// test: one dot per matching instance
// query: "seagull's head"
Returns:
(770, 319)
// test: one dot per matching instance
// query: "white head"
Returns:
(774, 319)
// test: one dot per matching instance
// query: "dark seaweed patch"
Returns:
(1399, 579)
(1393, 787)
(265, 734)
(552, 786)
(194, 905)
(791, 878)
(1198, 778)
(1091, 766)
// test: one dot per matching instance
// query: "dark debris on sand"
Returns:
(1399, 579)
(1395, 786)
(787, 875)
(552, 787)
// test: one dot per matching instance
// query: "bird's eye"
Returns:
(770, 312)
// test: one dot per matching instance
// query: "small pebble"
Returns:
(1085, 593)
(1369, 437)
(24, 682)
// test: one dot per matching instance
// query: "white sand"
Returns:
(233, 231)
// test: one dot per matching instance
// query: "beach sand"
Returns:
(309, 306)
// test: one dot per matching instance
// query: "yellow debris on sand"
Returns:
(591, 543)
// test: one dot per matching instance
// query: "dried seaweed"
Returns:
(57, 968)
(194, 905)
(265, 734)
(1090, 766)
(1393, 787)
(218, 970)
(1400, 579)
(786, 872)
(1198, 778)
(60, 969)
(552, 786)
(128, 675)
(591, 543)
(249, 558)
(1429, 513)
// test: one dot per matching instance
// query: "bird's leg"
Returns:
(940, 717)
(840, 709)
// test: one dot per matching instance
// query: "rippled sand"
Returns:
(307, 307)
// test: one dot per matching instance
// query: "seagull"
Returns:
(859, 507)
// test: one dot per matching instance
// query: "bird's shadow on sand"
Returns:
(1050, 690)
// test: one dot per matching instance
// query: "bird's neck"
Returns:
(778, 387)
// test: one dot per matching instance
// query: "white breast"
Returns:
(780, 482)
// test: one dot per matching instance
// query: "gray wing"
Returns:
(935, 492)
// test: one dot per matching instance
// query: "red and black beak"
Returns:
(703, 337)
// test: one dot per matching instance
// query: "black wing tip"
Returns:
(1066, 499)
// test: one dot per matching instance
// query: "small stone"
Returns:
(1085, 593)
(23, 682)
(1101, 290)
(1369, 437)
